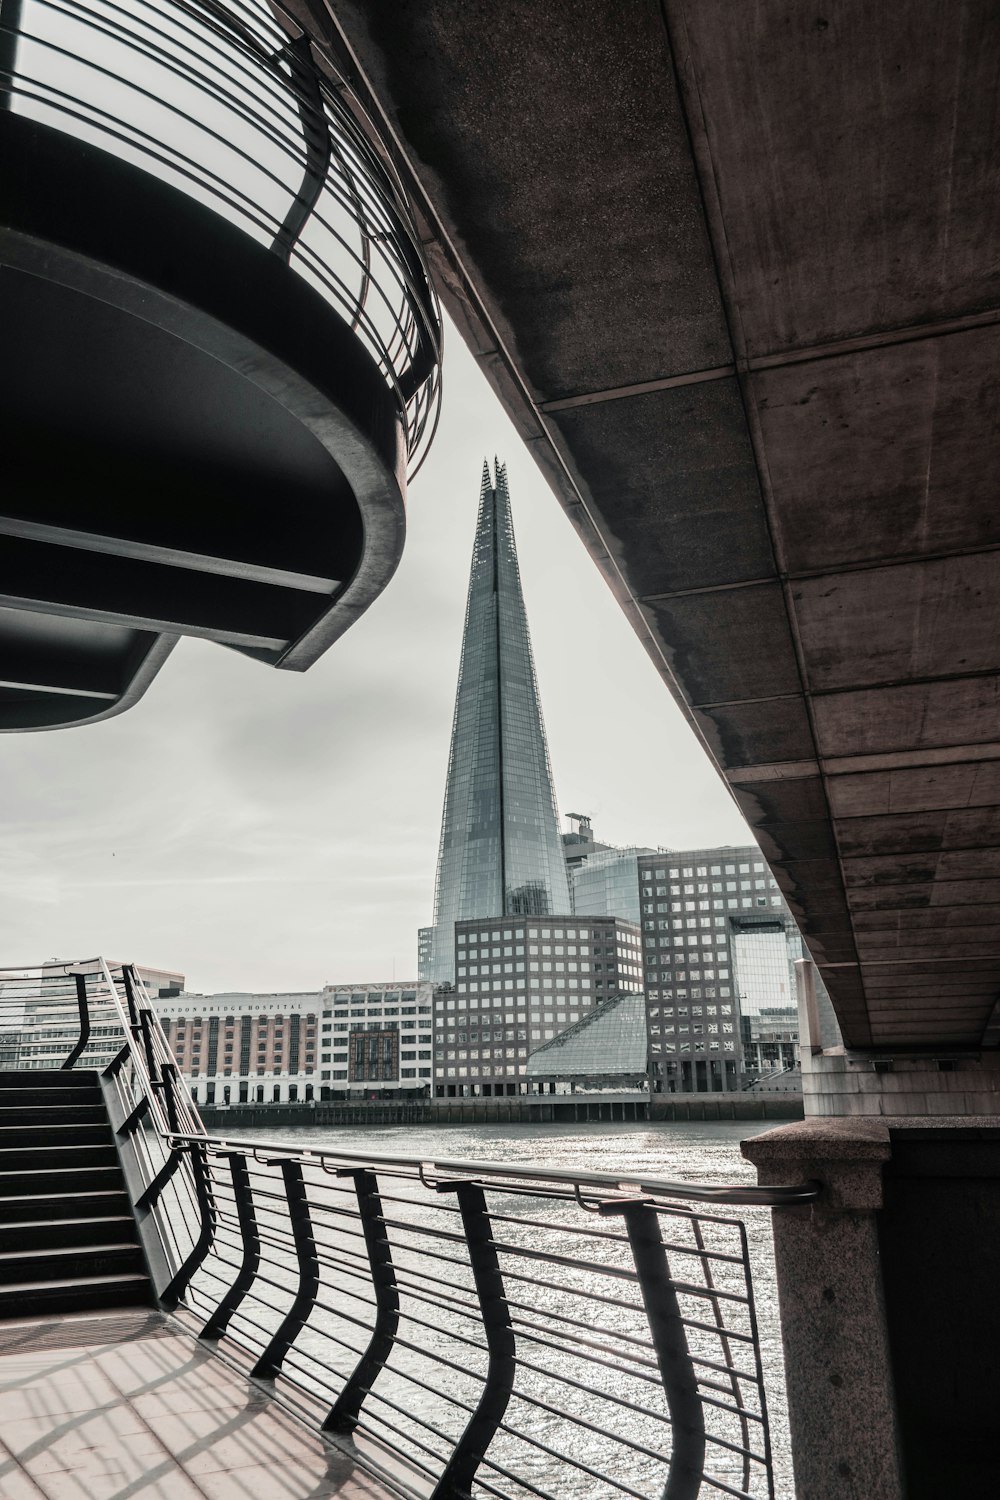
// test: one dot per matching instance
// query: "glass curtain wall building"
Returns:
(500, 853)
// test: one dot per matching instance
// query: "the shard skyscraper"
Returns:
(500, 853)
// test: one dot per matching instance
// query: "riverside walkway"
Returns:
(122, 1404)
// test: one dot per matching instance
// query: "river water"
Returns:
(706, 1152)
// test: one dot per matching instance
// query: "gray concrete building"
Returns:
(519, 982)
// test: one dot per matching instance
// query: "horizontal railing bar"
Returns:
(727, 1489)
(737, 1194)
(407, 1375)
(578, 1421)
(595, 1358)
(574, 1463)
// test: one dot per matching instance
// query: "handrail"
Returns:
(225, 100)
(608, 1183)
(514, 1329)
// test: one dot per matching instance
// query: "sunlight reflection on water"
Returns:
(696, 1151)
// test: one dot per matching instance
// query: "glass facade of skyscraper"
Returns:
(607, 884)
(762, 959)
(500, 851)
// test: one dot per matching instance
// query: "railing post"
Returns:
(269, 1364)
(174, 1291)
(460, 1471)
(169, 1075)
(147, 1042)
(84, 1009)
(677, 1372)
(150, 1196)
(316, 139)
(343, 1415)
(128, 980)
(243, 1193)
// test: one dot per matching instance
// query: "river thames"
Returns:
(706, 1152)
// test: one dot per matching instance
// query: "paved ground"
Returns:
(107, 1407)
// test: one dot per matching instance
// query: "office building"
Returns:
(376, 1040)
(344, 1041)
(519, 982)
(718, 946)
(606, 883)
(500, 853)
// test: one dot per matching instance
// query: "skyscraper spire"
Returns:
(500, 851)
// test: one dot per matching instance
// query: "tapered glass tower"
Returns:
(500, 851)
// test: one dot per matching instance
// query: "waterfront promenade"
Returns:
(126, 1403)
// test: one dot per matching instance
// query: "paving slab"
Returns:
(126, 1404)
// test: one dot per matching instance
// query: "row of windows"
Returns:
(373, 997)
(696, 1010)
(706, 992)
(686, 872)
(546, 934)
(339, 1075)
(407, 1010)
(463, 1072)
(695, 1046)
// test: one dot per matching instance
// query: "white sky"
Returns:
(268, 830)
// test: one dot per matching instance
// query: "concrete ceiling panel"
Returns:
(801, 799)
(912, 833)
(915, 789)
(887, 625)
(751, 734)
(884, 453)
(675, 488)
(535, 115)
(728, 644)
(954, 893)
(914, 716)
(848, 203)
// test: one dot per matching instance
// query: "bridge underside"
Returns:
(733, 271)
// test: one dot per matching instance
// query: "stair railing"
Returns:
(458, 1327)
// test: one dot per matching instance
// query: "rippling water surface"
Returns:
(694, 1152)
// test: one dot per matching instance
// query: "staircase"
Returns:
(68, 1239)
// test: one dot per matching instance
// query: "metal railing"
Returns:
(227, 101)
(461, 1328)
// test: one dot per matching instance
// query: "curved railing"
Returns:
(461, 1328)
(228, 101)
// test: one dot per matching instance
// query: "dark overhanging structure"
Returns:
(732, 271)
(220, 350)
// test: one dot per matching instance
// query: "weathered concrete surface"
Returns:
(735, 272)
(890, 1321)
(841, 1402)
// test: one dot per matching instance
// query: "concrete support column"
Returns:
(837, 1358)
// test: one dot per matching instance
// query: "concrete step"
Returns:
(48, 1078)
(73, 1293)
(51, 1101)
(37, 1134)
(57, 1158)
(37, 1235)
(26, 1207)
(66, 1262)
(60, 1181)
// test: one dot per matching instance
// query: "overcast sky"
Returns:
(268, 830)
